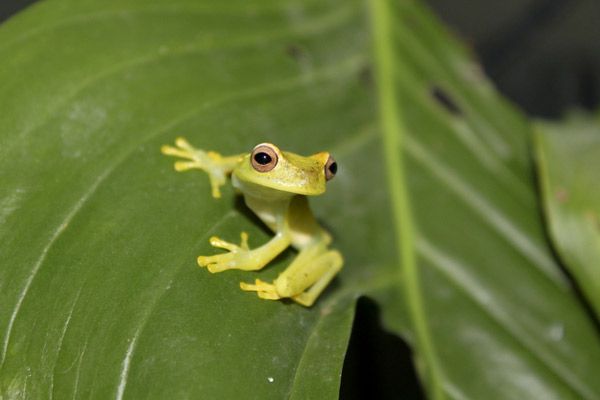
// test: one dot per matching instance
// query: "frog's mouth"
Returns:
(275, 185)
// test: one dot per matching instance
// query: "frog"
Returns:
(275, 186)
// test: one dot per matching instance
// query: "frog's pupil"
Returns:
(262, 158)
(333, 168)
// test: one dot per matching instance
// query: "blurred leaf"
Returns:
(99, 292)
(569, 161)
(491, 314)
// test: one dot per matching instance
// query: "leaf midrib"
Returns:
(393, 131)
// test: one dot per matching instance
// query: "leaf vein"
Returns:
(318, 27)
(489, 213)
(479, 296)
(126, 363)
(120, 13)
(333, 71)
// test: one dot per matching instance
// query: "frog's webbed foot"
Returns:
(236, 255)
(263, 289)
(216, 166)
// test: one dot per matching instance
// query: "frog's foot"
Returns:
(216, 166)
(263, 289)
(233, 259)
(304, 280)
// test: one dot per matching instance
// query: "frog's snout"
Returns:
(321, 157)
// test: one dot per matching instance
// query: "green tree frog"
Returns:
(275, 185)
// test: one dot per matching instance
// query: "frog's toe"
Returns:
(216, 263)
(216, 241)
(174, 151)
(263, 289)
(182, 149)
(181, 166)
(268, 295)
(203, 261)
(257, 286)
(183, 143)
(217, 267)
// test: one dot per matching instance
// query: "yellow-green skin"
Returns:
(278, 198)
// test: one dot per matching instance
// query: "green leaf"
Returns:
(483, 291)
(569, 161)
(99, 292)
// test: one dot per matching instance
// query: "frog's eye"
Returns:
(330, 168)
(264, 158)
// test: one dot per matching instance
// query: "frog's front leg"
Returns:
(216, 166)
(241, 257)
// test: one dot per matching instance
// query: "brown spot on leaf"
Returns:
(365, 76)
(592, 217)
(295, 51)
(562, 195)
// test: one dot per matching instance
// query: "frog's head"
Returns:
(269, 167)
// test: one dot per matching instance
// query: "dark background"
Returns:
(542, 54)
(9, 7)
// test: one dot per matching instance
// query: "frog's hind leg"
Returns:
(312, 269)
(329, 264)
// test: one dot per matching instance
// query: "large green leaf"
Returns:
(492, 316)
(569, 161)
(99, 293)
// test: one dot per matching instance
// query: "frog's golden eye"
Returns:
(330, 168)
(264, 158)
